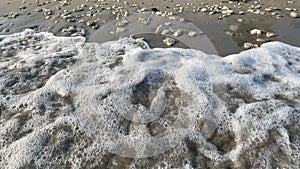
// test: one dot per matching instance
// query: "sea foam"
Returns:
(65, 103)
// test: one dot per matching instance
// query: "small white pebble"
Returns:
(192, 34)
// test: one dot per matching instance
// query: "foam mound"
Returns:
(65, 103)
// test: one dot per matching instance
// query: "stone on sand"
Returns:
(294, 14)
(169, 41)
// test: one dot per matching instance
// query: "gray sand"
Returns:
(274, 17)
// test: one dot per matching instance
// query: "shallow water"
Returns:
(70, 104)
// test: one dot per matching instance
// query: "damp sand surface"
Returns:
(30, 14)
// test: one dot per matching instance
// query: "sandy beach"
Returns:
(227, 31)
(158, 84)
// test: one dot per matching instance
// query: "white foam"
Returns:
(115, 90)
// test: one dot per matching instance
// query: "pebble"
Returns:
(178, 5)
(257, 7)
(229, 33)
(169, 41)
(192, 34)
(64, 3)
(22, 7)
(212, 13)
(165, 31)
(255, 32)
(180, 10)
(268, 9)
(145, 21)
(225, 8)
(168, 23)
(159, 29)
(240, 20)
(248, 45)
(178, 32)
(276, 8)
(221, 17)
(38, 10)
(141, 10)
(14, 14)
(270, 34)
(47, 12)
(71, 20)
(73, 31)
(78, 9)
(227, 12)
(90, 23)
(241, 13)
(257, 12)
(260, 40)
(294, 14)
(288, 9)
(82, 32)
(170, 14)
(38, 47)
(5, 30)
(24, 42)
(67, 16)
(158, 13)
(274, 13)
(95, 26)
(250, 10)
(203, 10)
(119, 30)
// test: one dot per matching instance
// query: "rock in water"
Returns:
(192, 33)
(270, 34)
(178, 32)
(169, 41)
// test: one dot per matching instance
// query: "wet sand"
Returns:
(54, 16)
(156, 41)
